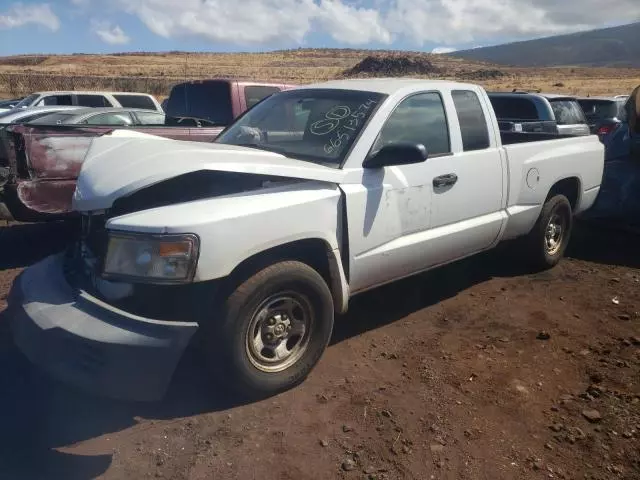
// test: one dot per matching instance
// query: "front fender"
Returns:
(236, 227)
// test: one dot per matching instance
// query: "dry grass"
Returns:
(305, 66)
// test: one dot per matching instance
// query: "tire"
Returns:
(289, 294)
(543, 252)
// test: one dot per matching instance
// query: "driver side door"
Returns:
(390, 211)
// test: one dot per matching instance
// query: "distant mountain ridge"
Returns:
(606, 47)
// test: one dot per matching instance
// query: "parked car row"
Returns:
(538, 112)
(554, 113)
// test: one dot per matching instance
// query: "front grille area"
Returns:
(178, 303)
(93, 235)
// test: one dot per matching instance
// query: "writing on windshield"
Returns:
(340, 123)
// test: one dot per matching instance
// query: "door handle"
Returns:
(445, 180)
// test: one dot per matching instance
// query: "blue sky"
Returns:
(102, 26)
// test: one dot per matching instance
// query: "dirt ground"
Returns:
(478, 370)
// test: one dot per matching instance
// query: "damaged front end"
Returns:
(121, 339)
(122, 335)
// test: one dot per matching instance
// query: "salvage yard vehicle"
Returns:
(40, 164)
(122, 117)
(218, 100)
(258, 240)
(604, 114)
(91, 99)
(27, 115)
(539, 112)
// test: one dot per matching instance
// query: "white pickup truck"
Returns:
(257, 240)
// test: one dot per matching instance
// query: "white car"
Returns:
(91, 99)
(257, 240)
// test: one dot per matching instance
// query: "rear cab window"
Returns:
(205, 100)
(515, 108)
(567, 112)
(473, 124)
(136, 101)
(254, 93)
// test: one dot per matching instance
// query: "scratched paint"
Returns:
(47, 196)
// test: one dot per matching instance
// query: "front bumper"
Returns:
(88, 343)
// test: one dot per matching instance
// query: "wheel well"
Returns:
(569, 187)
(314, 252)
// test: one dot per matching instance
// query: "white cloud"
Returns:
(464, 21)
(20, 14)
(267, 23)
(351, 25)
(441, 50)
(111, 34)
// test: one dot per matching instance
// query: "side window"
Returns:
(473, 124)
(92, 101)
(253, 94)
(136, 101)
(150, 118)
(57, 100)
(421, 119)
(109, 119)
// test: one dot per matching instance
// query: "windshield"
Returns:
(318, 125)
(27, 101)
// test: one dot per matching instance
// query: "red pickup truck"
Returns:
(39, 164)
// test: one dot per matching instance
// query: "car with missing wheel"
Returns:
(254, 243)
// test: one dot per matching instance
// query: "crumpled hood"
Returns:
(124, 162)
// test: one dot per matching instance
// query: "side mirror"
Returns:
(397, 154)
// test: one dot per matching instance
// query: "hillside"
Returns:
(157, 72)
(607, 47)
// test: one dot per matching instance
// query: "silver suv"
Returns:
(91, 99)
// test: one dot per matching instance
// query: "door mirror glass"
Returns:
(397, 154)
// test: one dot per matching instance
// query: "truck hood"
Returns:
(124, 162)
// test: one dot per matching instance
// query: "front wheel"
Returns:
(549, 237)
(271, 331)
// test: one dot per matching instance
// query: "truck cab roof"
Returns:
(390, 86)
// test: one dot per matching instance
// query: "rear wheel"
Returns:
(549, 237)
(271, 330)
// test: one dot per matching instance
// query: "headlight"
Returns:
(152, 258)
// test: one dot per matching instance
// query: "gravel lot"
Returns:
(478, 370)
